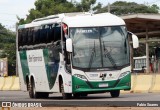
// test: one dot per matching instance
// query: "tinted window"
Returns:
(30, 36)
(19, 37)
(25, 36)
(57, 32)
(43, 33)
(36, 35)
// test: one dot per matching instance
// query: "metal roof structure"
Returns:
(144, 26)
(140, 23)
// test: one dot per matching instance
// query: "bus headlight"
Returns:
(123, 74)
(80, 77)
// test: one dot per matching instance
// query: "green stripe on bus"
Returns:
(24, 64)
(49, 68)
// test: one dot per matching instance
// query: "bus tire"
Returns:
(32, 91)
(115, 93)
(64, 95)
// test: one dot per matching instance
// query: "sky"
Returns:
(10, 9)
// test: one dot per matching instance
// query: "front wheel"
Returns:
(115, 93)
(65, 95)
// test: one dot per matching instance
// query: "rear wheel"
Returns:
(65, 95)
(115, 93)
(32, 90)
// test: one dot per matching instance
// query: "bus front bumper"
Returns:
(81, 86)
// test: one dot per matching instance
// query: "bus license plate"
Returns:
(103, 85)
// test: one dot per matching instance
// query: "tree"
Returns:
(8, 47)
(48, 7)
(52, 7)
(123, 7)
(87, 5)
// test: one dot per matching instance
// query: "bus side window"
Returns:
(46, 33)
(19, 38)
(25, 39)
(52, 29)
(43, 34)
(50, 33)
(36, 35)
(57, 32)
(30, 36)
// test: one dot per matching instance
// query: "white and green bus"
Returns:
(75, 55)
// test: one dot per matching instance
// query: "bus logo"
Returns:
(103, 75)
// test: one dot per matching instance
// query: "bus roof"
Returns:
(41, 22)
(103, 19)
(80, 19)
(51, 19)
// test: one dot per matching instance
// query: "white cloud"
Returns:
(3, 1)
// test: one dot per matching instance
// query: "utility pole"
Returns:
(109, 8)
(16, 49)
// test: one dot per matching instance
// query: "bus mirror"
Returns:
(69, 45)
(135, 41)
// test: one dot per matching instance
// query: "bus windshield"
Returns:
(100, 47)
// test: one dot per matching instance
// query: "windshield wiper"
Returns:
(92, 54)
(106, 53)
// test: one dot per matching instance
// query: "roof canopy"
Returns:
(140, 23)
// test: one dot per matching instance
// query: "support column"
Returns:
(131, 56)
(109, 8)
(147, 52)
(17, 49)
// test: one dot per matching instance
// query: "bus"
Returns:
(75, 55)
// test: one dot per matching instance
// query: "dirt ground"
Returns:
(89, 108)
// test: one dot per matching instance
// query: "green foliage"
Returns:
(51, 7)
(85, 5)
(123, 7)
(140, 51)
(7, 45)
(48, 7)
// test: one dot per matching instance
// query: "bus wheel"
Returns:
(115, 93)
(32, 90)
(65, 95)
